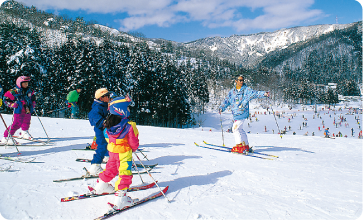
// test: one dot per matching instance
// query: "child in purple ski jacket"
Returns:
(22, 100)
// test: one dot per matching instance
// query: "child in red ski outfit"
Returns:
(22, 100)
(122, 137)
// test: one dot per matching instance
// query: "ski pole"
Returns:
(9, 135)
(42, 126)
(143, 154)
(152, 177)
(133, 161)
(220, 118)
(276, 121)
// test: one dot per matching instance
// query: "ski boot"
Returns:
(236, 149)
(122, 200)
(25, 135)
(245, 148)
(9, 141)
(103, 187)
(95, 169)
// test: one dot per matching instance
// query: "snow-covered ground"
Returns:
(313, 178)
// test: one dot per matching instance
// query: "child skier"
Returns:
(122, 137)
(97, 116)
(22, 100)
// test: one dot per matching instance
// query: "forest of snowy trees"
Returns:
(166, 89)
(168, 84)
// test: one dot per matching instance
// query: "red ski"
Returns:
(91, 194)
(113, 212)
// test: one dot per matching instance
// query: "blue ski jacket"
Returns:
(239, 101)
(98, 113)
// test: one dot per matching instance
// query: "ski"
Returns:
(138, 165)
(87, 148)
(328, 137)
(270, 155)
(32, 140)
(114, 211)
(23, 145)
(17, 159)
(88, 176)
(92, 195)
(227, 150)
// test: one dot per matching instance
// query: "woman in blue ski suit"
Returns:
(238, 99)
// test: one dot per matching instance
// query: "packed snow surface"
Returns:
(313, 177)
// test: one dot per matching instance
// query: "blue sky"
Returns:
(188, 20)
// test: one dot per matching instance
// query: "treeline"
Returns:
(165, 90)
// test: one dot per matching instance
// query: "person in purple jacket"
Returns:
(22, 100)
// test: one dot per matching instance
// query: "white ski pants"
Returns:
(238, 132)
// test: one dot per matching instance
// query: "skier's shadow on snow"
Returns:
(198, 180)
(263, 149)
(172, 159)
(50, 150)
(67, 138)
(163, 145)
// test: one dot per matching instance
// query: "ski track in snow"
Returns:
(313, 178)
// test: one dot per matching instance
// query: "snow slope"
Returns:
(313, 178)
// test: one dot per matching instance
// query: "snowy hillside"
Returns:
(313, 178)
(248, 49)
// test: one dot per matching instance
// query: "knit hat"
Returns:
(101, 92)
(119, 105)
(22, 79)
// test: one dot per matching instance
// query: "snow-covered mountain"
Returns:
(249, 49)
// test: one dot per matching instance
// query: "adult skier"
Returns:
(93, 146)
(238, 99)
(97, 116)
(122, 137)
(72, 99)
(22, 100)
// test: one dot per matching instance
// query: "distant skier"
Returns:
(96, 117)
(326, 133)
(238, 98)
(122, 137)
(22, 100)
(72, 99)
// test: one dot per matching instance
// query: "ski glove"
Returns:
(14, 105)
(1, 102)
